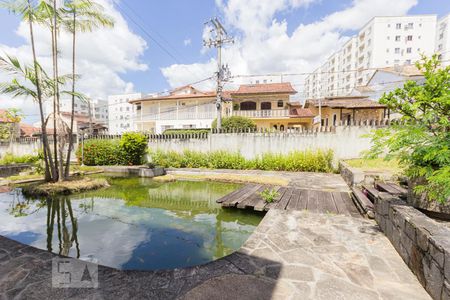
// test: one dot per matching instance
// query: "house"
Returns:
(82, 124)
(185, 107)
(346, 109)
(27, 130)
(267, 104)
(388, 79)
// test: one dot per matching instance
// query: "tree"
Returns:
(12, 118)
(236, 123)
(29, 13)
(421, 139)
(82, 15)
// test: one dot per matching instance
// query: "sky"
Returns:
(157, 45)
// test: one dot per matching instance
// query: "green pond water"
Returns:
(136, 224)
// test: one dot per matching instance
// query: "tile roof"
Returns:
(347, 102)
(28, 130)
(266, 88)
(406, 70)
(301, 113)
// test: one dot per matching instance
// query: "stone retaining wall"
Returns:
(423, 243)
(9, 170)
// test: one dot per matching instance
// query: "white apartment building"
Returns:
(120, 113)
(382, 42)
(99, 108)
(443, 40)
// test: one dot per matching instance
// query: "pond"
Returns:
(135, 224)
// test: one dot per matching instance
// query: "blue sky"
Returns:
(177, 26)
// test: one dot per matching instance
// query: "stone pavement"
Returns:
(301, 180)
(291, 255)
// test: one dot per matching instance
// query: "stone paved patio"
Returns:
(291, 255)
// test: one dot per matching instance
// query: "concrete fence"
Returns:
(345, 141)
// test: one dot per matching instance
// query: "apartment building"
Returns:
(443, 40)
(98, 107)
(382, 42)
(120, 113)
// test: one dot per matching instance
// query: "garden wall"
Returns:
(423, 243)
(25, 146)
(346, 141)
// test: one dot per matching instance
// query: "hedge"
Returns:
(296, 161)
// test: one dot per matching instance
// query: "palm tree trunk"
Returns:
(69, 151)
(45, 145)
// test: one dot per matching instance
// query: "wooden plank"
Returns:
(247, 201)
(258, 199)
(363, 202)
(403, 192)
(228, 196)
(313, 201)
(371, 192)
(353, 211)
(292, 205)
(326, 203)
(302, 200)
(285, 199)
(387, 188)
(340, 205)
(241, 196)
(261, 205)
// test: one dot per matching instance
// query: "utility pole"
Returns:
(91, 130)
(223, 73)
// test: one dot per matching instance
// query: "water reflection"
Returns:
(134, 224)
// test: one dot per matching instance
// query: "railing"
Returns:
(272, 113)
(174, 115)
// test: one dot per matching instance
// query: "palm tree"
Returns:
(29, 13)
(82, 15)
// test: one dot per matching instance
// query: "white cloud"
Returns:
(102, 56)
(263, 44)
(187, 42)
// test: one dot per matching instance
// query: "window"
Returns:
(440, 47)
(388, 38)
(138, 107)
(397, 38)
(397, 50)
(409, 38)
(248, 105)
(398, 26)
(389, 25)
(408, 62)
(266, 105)
(387, 50)
(441, 36)
(408, 50)
(396, 62)
(387, 62)
(280, 103)
(411, 25)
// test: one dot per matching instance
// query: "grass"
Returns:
(378, 164)
(65, 187)
(236, 178)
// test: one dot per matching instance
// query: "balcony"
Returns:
(273, 113)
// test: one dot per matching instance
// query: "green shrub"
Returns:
(297, 161)
(101, 153)
(186, 131)
(129, 150)
(10, 159)
(236, 122)
(133, 146)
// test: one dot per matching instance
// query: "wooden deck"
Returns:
(248, 197)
